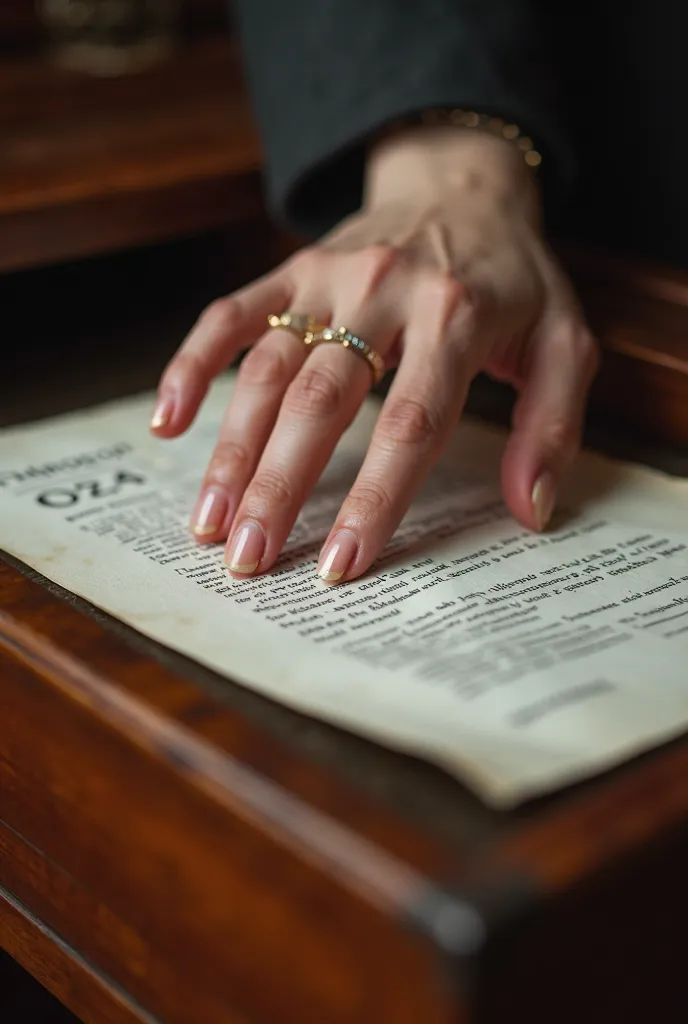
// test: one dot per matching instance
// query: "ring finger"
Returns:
(318, 405)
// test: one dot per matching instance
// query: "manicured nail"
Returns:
(210, 512)
(162, 414)
(337, 556)
(247, 548)
(544, 497)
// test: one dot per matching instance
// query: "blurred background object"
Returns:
(22, 24)
(99, 164)
(111, 37)
(127, 202)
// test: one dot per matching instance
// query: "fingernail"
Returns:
(544, 497)
(210, 512)
(162, 414)
(247, 548)
(337, 556)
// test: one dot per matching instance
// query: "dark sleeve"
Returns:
(326, 74)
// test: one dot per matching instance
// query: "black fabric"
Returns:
(601, 86)
(623, 68)
(326, 73)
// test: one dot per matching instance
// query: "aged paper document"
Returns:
(518, 662)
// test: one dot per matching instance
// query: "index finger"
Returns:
(226, 327)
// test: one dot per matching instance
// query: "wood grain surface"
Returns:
(640, 314)
(93, 165)
(185, 853)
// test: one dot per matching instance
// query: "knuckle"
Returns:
(263, 366)
(269, 489)
(377, 259)
(408, 421)
(187, 368)
(315, 392)
(559, 437)
(458, 310)
(308, 262)
(569, 336)
(367, 502)
(222, 316)
(446, 291)
(374, 262)
(229, 463)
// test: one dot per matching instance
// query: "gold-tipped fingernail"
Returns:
(246, 549)
(243, 568)
(162, 414)
(210, 512)
(337, 556)
(204, 531)
(544, 497)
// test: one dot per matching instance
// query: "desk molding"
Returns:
(178, 884)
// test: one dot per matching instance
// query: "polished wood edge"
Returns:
(368, 871)
(457, 920)
(609, 821)
(634, 392)
(443, 928)
(561, 846)
(624, 274)
(61, 970)
(139, 668)
(203, 887)
(96, 935)
(548, 844)
(99, 226)
(29, 879)
(639, 314)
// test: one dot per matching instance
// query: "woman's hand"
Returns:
(444, 272)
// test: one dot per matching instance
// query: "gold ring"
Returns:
(303, 325)
(341, 336)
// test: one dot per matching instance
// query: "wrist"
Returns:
(418, 163)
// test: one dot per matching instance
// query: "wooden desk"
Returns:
(175, 848)
(95, 165)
